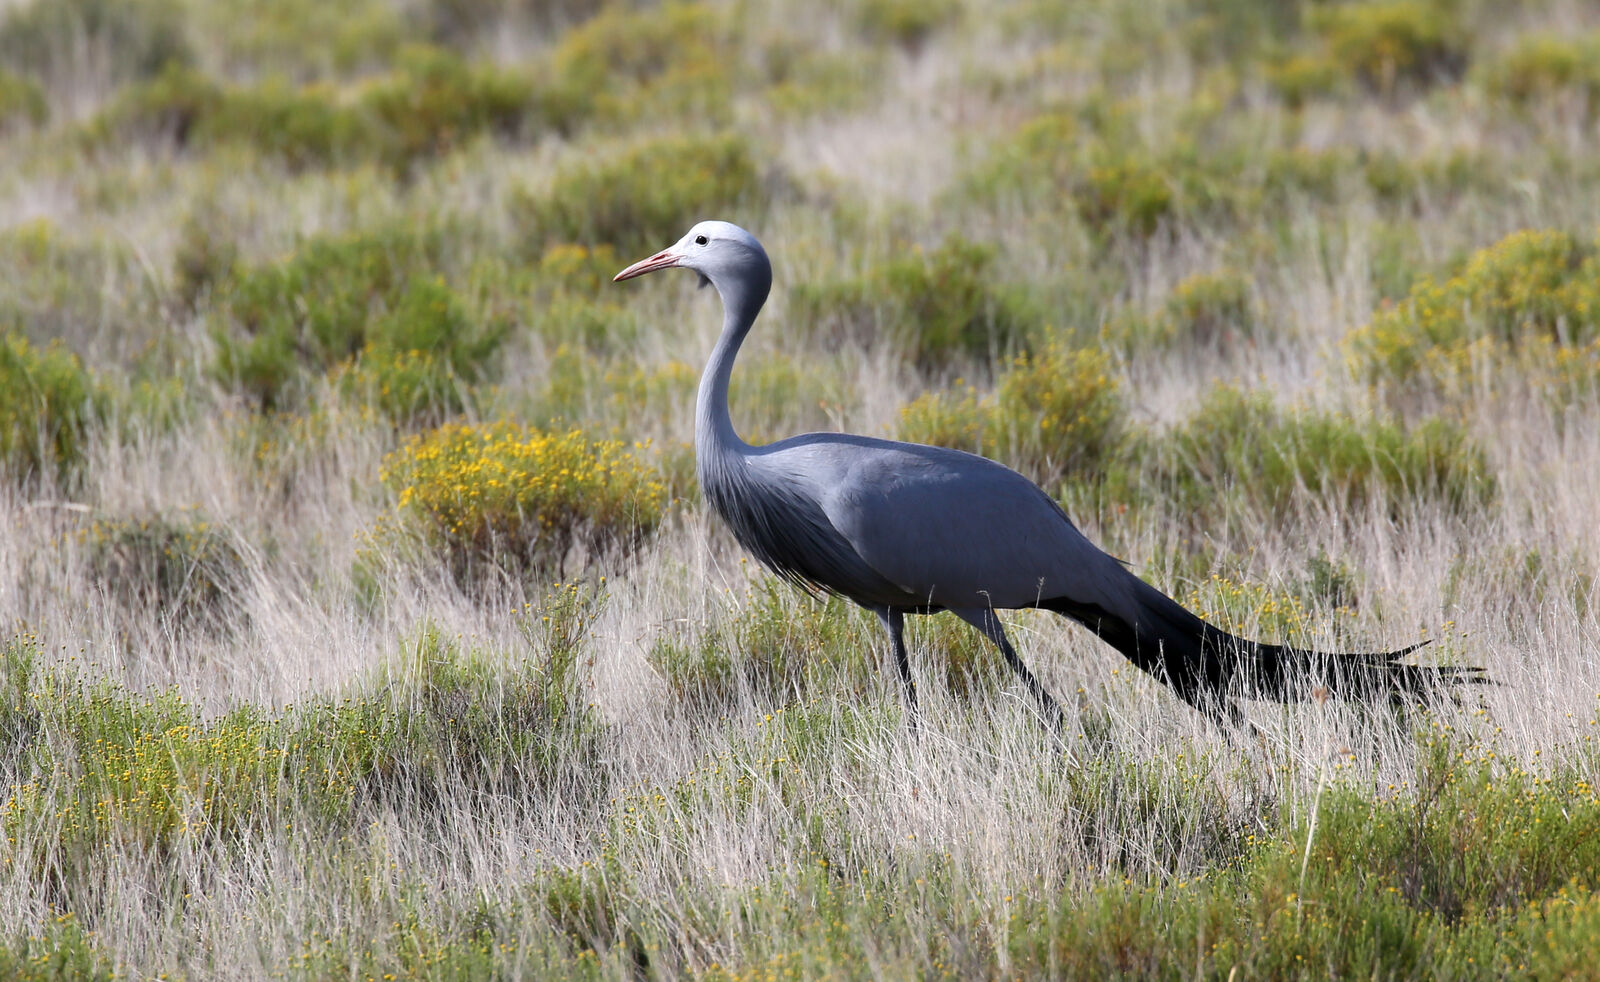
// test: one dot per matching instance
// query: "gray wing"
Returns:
(947, 528)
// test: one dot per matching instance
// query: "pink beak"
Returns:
(661, 260)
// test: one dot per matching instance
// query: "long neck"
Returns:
(714, 437)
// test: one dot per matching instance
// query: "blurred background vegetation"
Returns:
(372, 209)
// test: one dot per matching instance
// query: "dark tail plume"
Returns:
(1206, 666)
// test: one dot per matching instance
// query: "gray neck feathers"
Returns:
(718, 448)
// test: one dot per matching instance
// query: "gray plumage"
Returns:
(904, 528)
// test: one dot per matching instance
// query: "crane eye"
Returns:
(699, 240)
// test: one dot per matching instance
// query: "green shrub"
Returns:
(60, 950)
(906, 23)
(644, 198)
(937, 306)
(503, 491)
(203, 258)
(1250, 609)
(1544, 70)
(82, 288)
(1204, 310)
(1058, 414)
(299, 126)
(180, 565)
(367, 302)
(48, 402)
(422, 353)
(462, 23)
(168, 107)
(1092, 162)
(436, 102)
(145, 771)
(951, 418)
(803, 79)
(1297, 79)
(60, 42)
(1480, 868)
(1530, 301)
(451, 719)
(780, 647)
(681, 61)
(1240, 446)
(1039, 158)
(1387, 43)
(1127, 196)
(1055, 415)
(104, 770)
(22, 102)
(433, 102)
(299, 39)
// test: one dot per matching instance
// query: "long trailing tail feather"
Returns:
(1206, 666)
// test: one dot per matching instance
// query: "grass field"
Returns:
(362, 619)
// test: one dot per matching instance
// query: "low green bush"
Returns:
(183, 567)
(366, 305)
(1056, 415)
(101, 769)
(779, 647)
(48, 404)
(81, 287)
(451, 719)
(503, 492)
(1300, 78)
(430, 103)
(1543, 70)
(300, 40)
(299, 126)
(908, 24)
(1531, 301)
(22, 102)
(937, 306)
(203, 258)
(1093, 163)
(1205, 310)
(683, 61)
(61, 42)
(1478, 868)
(436, 101)
(168, 107)
(1390, 43)
(1241, 447)
(60, 950)
(803, 79)
(1126, 196)
(643, 198)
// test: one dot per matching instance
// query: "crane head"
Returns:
(710, 249)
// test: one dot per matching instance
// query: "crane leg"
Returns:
(894, 621)
(988, 622)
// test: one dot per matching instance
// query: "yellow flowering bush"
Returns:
(1531, 300)
(505, 490)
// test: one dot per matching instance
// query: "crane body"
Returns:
(904, 528)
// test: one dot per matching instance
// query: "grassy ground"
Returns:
(362, 619)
